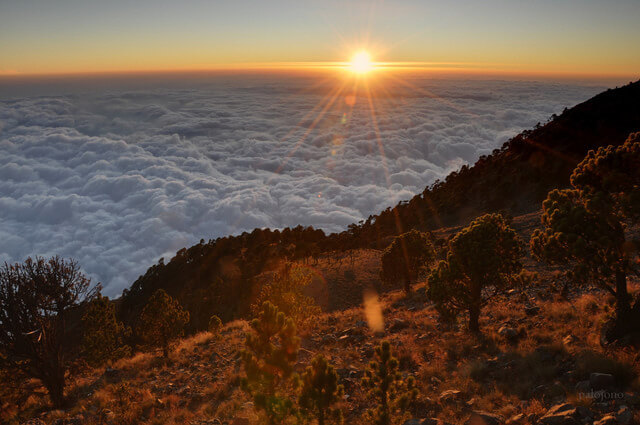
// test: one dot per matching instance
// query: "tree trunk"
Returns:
(474, 318)
(55, 386)
(623, 306)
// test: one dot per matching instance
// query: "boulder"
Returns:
(449, 396)
(561, 414)
(583, 387)
(532, 311)
(479, 417)
(508, 333)
(601, 381)
(607, 420)
(624, 415)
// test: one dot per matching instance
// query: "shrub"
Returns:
(162, 321)
(103, 336)
(285, 291)
(484, 255)
(392, 393)
(270, 353)
(215, 324)
(320, 390)
(36, 302)
(405, 259)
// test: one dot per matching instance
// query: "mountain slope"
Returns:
(219, 276)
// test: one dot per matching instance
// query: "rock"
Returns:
(532, 311)
(624, 415)
(78, 420)
(607, 420)
(601, 381)
(561, 414)
(450, 396)
(111, 375)
(516, 419)
(479, 417)
(584, 412)
(508, 333)
(398, 324)
(583, 387)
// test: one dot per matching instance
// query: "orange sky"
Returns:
(579, 38)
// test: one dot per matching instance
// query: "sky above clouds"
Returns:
(572, 37)
(118, 175)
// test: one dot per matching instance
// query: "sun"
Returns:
(361, 63)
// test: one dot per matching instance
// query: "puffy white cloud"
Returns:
(117, 178)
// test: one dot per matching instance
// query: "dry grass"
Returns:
(200, 381)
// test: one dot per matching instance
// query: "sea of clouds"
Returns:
(118, 174)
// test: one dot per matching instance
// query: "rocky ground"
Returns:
(538, 361)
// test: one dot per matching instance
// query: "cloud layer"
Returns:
(119, 176)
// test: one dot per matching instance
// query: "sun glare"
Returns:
(361, 63)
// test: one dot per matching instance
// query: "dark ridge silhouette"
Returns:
(218, 277)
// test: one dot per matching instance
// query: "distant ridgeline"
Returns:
(218, 277)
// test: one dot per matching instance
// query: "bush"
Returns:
(393, 394)
(103, 338)
(285, 291)
(215, 324)
(406, 258)
(320, 390)
(162, 321)
(270, 353)
(36, 302)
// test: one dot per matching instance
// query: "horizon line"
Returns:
(448, 68)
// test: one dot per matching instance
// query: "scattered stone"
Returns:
(532, 311)
(561, 414)
(508, 333)
(111, 375)
(624, 415)
(450, 396)
(601, 381)
(516, 419)
(398, 324)
(479, 417)
(607, 420)
(585, 412)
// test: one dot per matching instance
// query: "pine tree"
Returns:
(162, 321)
(320, 390)
(393, 394)
(271, 351)
(103, 336)
(485, 254)
(584, 226)
(406, 258)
